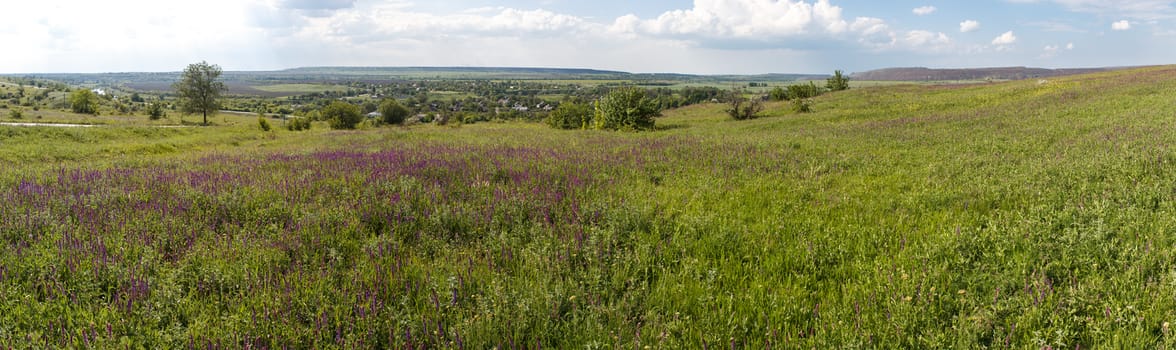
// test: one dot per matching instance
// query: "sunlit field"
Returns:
(1023, 214)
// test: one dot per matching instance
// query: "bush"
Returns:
(570, 115)
(837, 82)
(393, 112)
(83, 101)
(802, 105)
(298, 124)
(16, 113)
(778, 94)
(155, 111)
(342, 115)
(743, 108)
(803, 91)
(264, 124)
(626, 108)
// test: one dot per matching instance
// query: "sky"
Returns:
(642, 36)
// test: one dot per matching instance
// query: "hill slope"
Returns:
(1003, 73)
(1019, 214)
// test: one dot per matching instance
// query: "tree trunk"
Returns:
(205, 118)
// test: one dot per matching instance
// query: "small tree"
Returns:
(83, 101)
(155, 111)
(199, 89)
(392, 112)
(570, 115)
(342, 115)
(743, 108)
(837, 82)
(625, 108)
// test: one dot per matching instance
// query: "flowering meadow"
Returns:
(1025, 214)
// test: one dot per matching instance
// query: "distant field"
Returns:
(1020, 215)
(299, 88)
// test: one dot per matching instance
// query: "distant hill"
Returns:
(999, 73)
(446, 70)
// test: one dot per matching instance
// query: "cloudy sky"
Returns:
(684, 36)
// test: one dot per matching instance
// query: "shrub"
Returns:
(837, 82)
(743, 108)
(298, 124)
(393, 112)
(342, 115)
(16, 113)
(264, 124)
(570, 115)
(802, 105)
(83, 101)
(155, 111)
(803, 91)
(778, 94)
(626, 108)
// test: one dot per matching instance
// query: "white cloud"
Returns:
(1135, 9)
(1121, 25)
(1051, 51)
(922, 38)
(969, 26)
(743, 20)
(924, 10)
(1008, 38)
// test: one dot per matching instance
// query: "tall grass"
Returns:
(1005, 215)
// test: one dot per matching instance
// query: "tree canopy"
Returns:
(626, 108)
(393, 112)
(83, 101)
(199, 89)
(342, 115)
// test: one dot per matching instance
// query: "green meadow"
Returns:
(1023, 214)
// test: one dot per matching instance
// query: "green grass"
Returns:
(1004, 215)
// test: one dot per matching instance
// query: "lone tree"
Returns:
(199, 89)
(743, 108)
(392, 112)
(626, 108)
(838, 81)
(83, 101)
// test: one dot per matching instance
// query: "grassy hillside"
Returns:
(1025, 214)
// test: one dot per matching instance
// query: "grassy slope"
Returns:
(1018, 214)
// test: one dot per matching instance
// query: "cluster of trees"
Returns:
(625, 108)
(838, 82)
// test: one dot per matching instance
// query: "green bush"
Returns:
(342, 115)
(83, 101)
(264, 124)
(155, 111)
(298, 124)
(626, 108)
(838, 82)
(802, 105)
(802, 91)
(778, 94)
(393, 112)
(570, 115)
